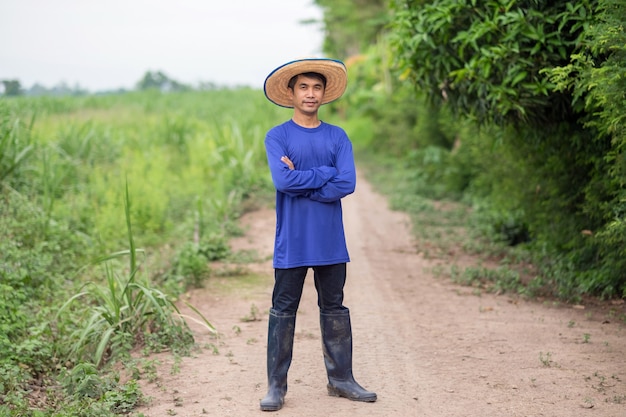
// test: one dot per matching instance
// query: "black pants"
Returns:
(329, 282)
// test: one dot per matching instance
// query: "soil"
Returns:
(427, 346)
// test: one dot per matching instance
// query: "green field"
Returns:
(111, 207)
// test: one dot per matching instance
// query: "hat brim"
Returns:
(276, 84)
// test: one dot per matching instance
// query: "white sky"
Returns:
(110, 44)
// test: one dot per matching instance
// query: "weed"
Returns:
(83, 380)
(176, 365)
(214, 349)
(437, 271)
(546, 359)
(498, 280)
(190, 266)
(617, 399)
(253, 316)
(124, 399)
(586, 337)
(149, 367)
(84, 384)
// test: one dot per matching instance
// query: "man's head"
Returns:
(281, 83)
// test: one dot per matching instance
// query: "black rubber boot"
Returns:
(337, 346)
(279, 352)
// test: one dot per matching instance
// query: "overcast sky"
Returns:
(110, 44)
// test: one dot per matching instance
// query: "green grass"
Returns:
(85, 182)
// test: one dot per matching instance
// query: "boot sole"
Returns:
(270, 408)
(336, 393)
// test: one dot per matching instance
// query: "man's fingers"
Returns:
(287, 161)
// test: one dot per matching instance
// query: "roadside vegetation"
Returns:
(111, 208)
(512, 108)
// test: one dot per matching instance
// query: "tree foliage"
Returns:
(12, 87)
(596, 76)
(544, 84)
(486, 58)
(159, 81)
(551, 75)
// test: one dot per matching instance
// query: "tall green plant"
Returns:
(125, 309)
(15, 142)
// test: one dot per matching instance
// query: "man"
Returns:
(312, 168)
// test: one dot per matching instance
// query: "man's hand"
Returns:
(288, 162)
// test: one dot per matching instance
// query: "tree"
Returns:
(550, 74)
(158, 80)
(12, 88)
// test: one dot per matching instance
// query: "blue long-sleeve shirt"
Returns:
(309, 222)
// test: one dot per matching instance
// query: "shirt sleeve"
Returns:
(294, 182)
(344, 182)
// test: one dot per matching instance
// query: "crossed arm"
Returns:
(325, 183)
(336, 188)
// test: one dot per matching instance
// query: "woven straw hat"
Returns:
(277, 91)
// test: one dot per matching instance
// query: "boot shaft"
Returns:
(280, 335)
(280, 332)
(336, 331)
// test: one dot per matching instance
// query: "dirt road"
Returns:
(426, 346)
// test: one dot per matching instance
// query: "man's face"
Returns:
(307, 94)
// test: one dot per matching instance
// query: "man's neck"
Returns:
(306, 120)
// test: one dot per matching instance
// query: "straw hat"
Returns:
(277, 91)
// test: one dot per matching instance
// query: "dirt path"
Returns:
(426, 346)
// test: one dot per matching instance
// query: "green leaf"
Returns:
(519, 77)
